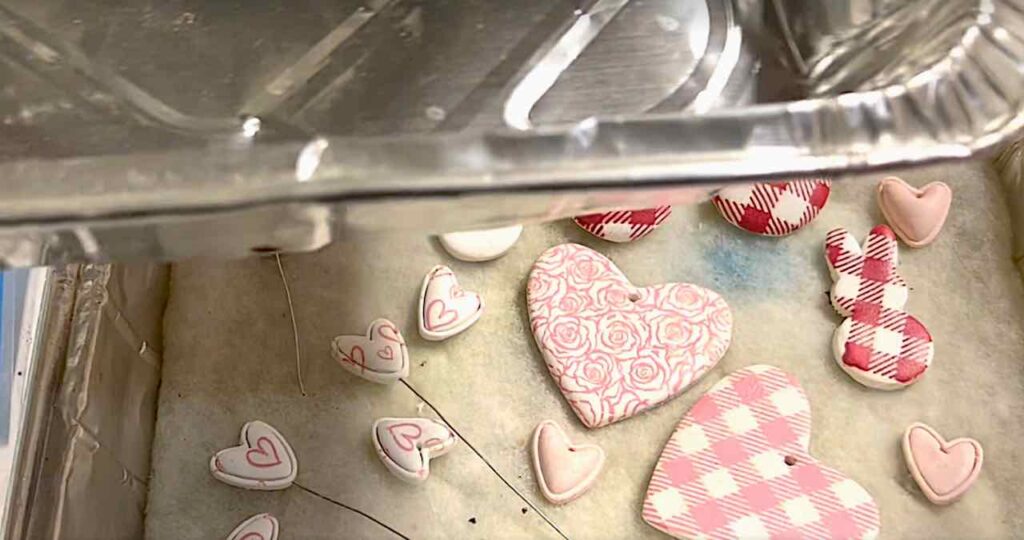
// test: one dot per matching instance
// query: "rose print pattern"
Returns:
(616, 350)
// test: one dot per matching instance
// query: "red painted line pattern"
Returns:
(624, 225)
(773, 209)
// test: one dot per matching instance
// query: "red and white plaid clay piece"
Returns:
(624, 225)
(774, 209)
(879, 344)
(737, 466)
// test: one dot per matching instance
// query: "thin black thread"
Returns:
(347, 507)
(488, 463)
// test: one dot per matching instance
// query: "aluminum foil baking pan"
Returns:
(165, 130)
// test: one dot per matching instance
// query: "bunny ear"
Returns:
(841, 248)
(881, 244)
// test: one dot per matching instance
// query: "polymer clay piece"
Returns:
(258, 527)
(916, 215)
(262, 461)
(380, 356)
(564, 470)
(614, 349)
(878, 344)
(944, 470)
(773, 209)
(406, 445)
(624, 225)
(737, 466)
(445, 308)
(482, 245)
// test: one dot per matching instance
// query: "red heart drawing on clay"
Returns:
(384, 343)
(773, 209)
(613, 349)
(264, 455)
(624, 225)
(258, 527)
(944, 470)
(263, 460)
(406, 445)
(917, 215)
(445, 308)
(737, 466)
(405, 435)
(878, 344)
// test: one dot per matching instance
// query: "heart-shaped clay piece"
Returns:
(773, 209)
(258, 527)
(479, 246)
(445, 308)
(379, 356)
(624, 225)
(564, 470)
(943, 470)
(917, 215)
(263, 460)
(737, 466)
(613, 349)
(406, 445)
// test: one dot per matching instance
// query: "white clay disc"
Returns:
(483, 245)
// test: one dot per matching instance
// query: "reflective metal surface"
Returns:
(166, 130)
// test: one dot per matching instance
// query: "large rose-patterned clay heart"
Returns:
(614, 349)
(737, 466)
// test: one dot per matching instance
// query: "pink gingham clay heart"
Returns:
(379, 356)
(263, 460)
(737, 466)
(446, 309)
(616, 350)
(917, 215)
(943, 470)
(564, 470)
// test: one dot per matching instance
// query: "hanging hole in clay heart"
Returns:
(634, 296)
(790, 460)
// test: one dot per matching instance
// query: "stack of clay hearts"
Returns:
(878, 344)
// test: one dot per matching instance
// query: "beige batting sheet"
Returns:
(229, 358)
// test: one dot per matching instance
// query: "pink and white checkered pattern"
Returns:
(879, 344)
(624, 225)
(737, 466)
(774, 209)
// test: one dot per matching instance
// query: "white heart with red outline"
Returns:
(262, 461)
(380, 356)
(406, 445)
(446, 309)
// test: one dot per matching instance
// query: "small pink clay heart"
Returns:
(564, 470)
(944, 470)
(917, 215)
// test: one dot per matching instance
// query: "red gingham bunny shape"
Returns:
(879, 344)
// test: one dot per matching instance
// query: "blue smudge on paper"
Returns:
(749, 266)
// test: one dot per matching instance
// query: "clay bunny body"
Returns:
(878, 344)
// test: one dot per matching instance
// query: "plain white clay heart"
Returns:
(917, 215)
(258, 527)
(263, 460)
(614, 349)
(445, 308)
(944, 470)
(380, 356)
(406, 445)
(564, 470)
(482, 245)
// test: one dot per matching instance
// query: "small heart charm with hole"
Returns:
(380, 356)
(406, 445)
(737, 466)
(445, 308)
(943, 470)
(258, 527)
(564, 470)
(917, 215)
(262, 461)
(614, 349)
